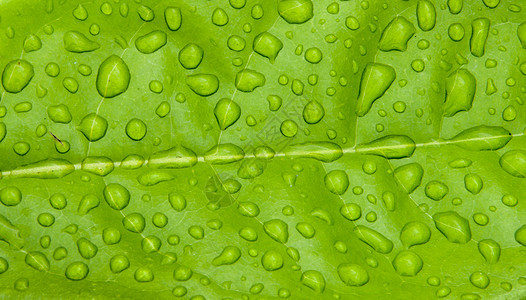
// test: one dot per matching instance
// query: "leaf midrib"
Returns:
(294, 154)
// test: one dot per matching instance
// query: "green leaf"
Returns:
(258, 149)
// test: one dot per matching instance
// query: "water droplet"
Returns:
(99, 165)
(111, 236)
(436, 190)
(373, 238)
(514, 163)
(77, 42)
(509, 200)
(473, 183)
(247, 80)
(479, 280)
(337, 182)
(313, 112)
(490, 250)
(375, 81)
(306, 230)
(80, 13)
(163, 109)
(509, 113)
(391, 146)
(455, 6)
(146, 13)
(70, 84)
(154, 177)
(454, 227)
(323, 151)
(134, 222)
(173, 18)
(16, 75)
(219, 17)
(203, 84)
(456, 32)
(289, 128)
(10, 196)
(251, 168)
(32, 43)
(313, 280)
(151, 244)
(409, 176)
(272, 260)
(197, 232)
(224, 154)
(59, 113)
(191, 56)
(151, 42)
(87, 203)
(267, 45)
(352, 23)
(76, 271)
(117, 196)
(415, 233)
(277, 230)
(353, 274)
(119, 263)
(313, 55)
(396, 34)
(37, 260)
(297, 87)
(113, 77)
(10, 233)
(407, 263)
(236, 43)
(479, 36)
(173, 158)
(520, 235)
(351, 211)
(248, 233)
(296, 11)
(491, 3)
(482, 137)
(86, 248)
(124, 9)
(460, 92)
(418, 65)
(57, 201)
(143, 274)
(136, 129)
(228, 256)
(257, 11)
(227, 112)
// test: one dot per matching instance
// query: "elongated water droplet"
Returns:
(480, 138)
(224, 154)
(479, 36)
(173, 158)
(151, 42)
(373, 238)
(323, 151)
(77, 42)
(375, 81)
